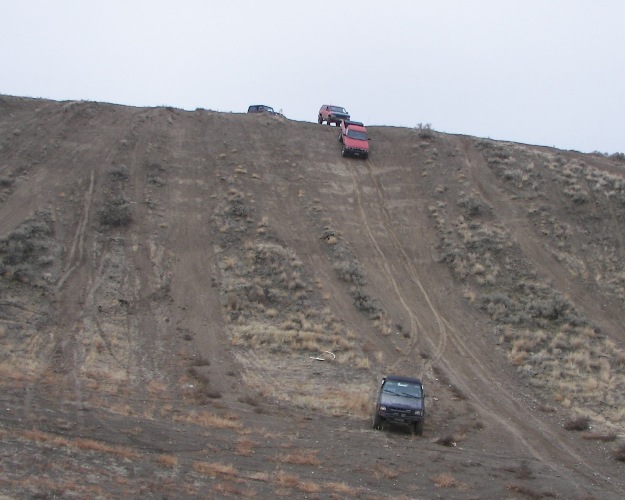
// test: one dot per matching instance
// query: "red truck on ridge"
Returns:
(354, 138)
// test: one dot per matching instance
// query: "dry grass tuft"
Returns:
(356, 401)
(598, 436)
(156, 387)
(93, 445)
(308, 487)
(215, 469)
(341, 488)
(229, 489)
(546, 408)
(252, 400)
(167, 460)
(80, 443)
(245, 447)
(44, 437)
(382, 471)
(284, 479)
(529, 492)
(287, 480)
(445, 480)
(300, 457)
(210, 420)
(260, 476)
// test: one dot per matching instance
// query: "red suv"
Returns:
(332, 114)
(354, 138)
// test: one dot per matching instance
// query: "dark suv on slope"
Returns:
(401, 400)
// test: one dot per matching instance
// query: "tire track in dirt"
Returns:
(69, 355)
(195, 274)
(415, 324)
(79, 237)
(66, 354)
(65, 350)
(525, 433)
(73, 355)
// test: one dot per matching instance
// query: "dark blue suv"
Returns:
(402, 401)
(261, 108)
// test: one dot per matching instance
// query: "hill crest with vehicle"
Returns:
(170, 278)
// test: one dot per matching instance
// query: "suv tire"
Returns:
(377, 423)
(418, 427)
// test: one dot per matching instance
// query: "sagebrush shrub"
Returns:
(115, 213)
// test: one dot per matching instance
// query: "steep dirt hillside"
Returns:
(203, 305)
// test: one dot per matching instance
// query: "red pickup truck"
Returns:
(354, 138)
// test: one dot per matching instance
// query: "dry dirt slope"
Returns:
(169, 276)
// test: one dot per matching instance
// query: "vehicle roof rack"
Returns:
(399, 378)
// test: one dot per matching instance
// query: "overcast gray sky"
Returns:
(548, 72)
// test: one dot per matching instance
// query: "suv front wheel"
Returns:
(377, 422)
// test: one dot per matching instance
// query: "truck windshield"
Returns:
(403, 389)
(357, 134)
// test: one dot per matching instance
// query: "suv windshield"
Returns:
(337, 109)
(403, 389)
(357, 134)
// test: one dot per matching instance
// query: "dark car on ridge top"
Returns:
(261, 108)
(401, 400)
